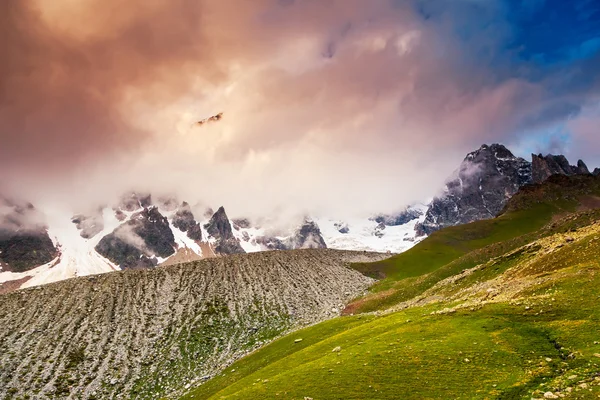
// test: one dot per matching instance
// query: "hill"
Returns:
(148, 333)
(506, 309)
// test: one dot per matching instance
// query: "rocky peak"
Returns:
(129, 202)
(241, 223)
(139, 241)
(596, 172)
(485, 180)
(185, 222)
(582, 169)
(24, 240)
(219, 228)
(545, 166)
(307, 236)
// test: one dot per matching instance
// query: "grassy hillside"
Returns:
(502, 309)
(451, 250)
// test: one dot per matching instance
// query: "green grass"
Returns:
(444, 254)
(416, 355)
(542, 336)
(451, 250)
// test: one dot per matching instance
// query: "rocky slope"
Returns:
(140, 333)
(484, 182)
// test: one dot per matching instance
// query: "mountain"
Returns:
(139, 241)
(147, 333)
(138, 231)
(508, 304)
(24, 240)
(220, 229)
(143, 231)
(486, 179)
(503, 308)
(307, 236)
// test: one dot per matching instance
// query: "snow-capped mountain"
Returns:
(484, 182)
(143, 232)
(394, 233)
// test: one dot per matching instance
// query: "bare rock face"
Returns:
(219, 228)
(185, 222)
(582, 169)
(342, 227)
(545, 166)
(242, 223)
(137, 243)
(400, 218)
(145, 334)
(596, 172)
(271, 243)
(307, 236)
(89, 225)
(486, 179)
(24, 240)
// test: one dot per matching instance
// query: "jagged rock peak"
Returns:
(496, 150)
(138, 242)
(582, 169)
(185, 222)
(308, 236)
(134, 201)
(219, 228)
(545, 166)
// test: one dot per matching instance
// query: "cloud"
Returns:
(341, 106)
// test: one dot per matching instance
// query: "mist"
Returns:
(339, 108)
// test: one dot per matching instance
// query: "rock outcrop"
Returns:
(545, 166)
(271, 243)
(307, 236)
(400, 218)
(596, 172)
(486, 179)
(220, 229)
(185, 222)
(24, 240)
(89, 225)
(138, 242)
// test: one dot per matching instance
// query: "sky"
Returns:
(332, 107)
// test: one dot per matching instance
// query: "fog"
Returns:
(339, 108)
